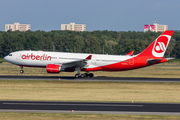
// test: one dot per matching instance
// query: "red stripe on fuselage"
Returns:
(130, 64)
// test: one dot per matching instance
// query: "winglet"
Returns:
(130, 53)
(89, 57)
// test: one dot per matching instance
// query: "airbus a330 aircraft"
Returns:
(56, 62)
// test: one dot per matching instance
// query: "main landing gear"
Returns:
(78, 69)
(21, 71)
(84, 75)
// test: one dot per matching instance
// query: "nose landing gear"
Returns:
(21, 71)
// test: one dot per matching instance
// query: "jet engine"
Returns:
(52, 68)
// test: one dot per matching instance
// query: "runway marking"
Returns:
(74, 104)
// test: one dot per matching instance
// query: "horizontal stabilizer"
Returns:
(170, 58)
(152, 61)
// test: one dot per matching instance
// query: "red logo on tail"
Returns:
(161, 44)
(160, 47)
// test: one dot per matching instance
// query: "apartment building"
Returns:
(155, 28)
(160, 28)
(17, 26)
(73, 27)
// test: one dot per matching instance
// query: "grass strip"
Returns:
(59, 116)
(164, 70)
(89, 91)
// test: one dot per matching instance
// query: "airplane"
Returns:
(56, 62)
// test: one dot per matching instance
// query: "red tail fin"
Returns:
(159, 46)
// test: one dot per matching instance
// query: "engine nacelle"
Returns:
(52, 68)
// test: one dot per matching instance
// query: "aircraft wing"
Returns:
(79, 63)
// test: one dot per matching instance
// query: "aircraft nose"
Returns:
(5, 58)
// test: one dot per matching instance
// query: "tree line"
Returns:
(98, 42)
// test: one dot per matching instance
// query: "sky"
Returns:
(115, 15)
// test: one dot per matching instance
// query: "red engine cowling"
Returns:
(52, 68)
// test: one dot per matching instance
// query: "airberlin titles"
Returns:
(35, 57)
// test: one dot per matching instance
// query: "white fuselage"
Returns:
(42, 58)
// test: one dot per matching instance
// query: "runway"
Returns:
(108, 79)
(90, 107)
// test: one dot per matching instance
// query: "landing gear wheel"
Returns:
(83, 75)
(77, 75)
(91, 75)
(21, 71)
(86, 74)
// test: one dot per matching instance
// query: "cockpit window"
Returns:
(10, 55)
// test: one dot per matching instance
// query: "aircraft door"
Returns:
(131, 61)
